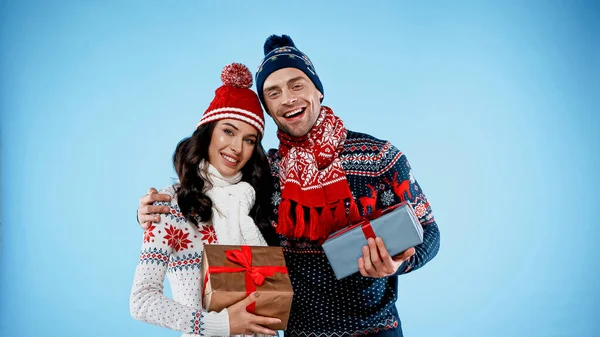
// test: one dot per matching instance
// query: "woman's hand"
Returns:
(243, 322)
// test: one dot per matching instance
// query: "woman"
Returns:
(221, 197)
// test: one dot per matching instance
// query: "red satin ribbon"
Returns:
(255, 275)
(368, 230)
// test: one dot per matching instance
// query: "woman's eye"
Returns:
(228, 132)
(250, 141)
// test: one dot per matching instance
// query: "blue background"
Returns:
(495, 104)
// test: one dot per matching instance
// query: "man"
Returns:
(325, 176)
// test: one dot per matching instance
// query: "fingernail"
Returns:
(378, 239)
(256, 294)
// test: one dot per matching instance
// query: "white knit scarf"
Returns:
(232, 201)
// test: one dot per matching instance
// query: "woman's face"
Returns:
(231, 146)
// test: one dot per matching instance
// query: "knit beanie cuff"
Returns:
(281, 52)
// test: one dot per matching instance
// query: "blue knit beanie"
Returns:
(280, 52)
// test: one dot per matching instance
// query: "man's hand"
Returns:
(243, 322)
(147, 213)
(376, 261)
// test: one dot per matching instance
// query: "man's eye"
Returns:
(273, 94)
(297, 86)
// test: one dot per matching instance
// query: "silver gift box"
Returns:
(397, 225)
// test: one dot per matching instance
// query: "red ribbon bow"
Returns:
(255, 275)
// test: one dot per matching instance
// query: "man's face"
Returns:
(292, 101)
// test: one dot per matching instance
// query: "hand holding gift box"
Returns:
(231, 273)
(377, 262)
(397, 225)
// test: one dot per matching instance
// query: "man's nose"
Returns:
(289, 98)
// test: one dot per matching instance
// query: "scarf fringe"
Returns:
(314, 219)
(318, 226)
(323, 195)
(327, 220)
(340, 215)
(284, 223)
(354, 213)
(300, 224)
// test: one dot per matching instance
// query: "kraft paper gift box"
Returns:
(397, 225)
(231, 273)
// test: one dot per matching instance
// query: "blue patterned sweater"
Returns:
(379, 175)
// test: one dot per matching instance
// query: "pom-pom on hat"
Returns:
(234, 99)
(281, 52)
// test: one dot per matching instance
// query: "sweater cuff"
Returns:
(215, 323)
(403, 268)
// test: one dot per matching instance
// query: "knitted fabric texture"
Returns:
(281, 52)
(234, 99)
(173, 248)
(232, 201)
(314, 190)
(379, 175)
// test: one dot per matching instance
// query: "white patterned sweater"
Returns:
(173, 247)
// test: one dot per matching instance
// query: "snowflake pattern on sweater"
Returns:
(173, 248)
(379, 175)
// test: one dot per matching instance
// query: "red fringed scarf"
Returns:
(314, 189)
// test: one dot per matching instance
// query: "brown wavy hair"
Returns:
(197, 206)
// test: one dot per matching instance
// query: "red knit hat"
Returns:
(234, 99)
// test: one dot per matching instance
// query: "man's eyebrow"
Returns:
(295, 79)
(274, 87)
